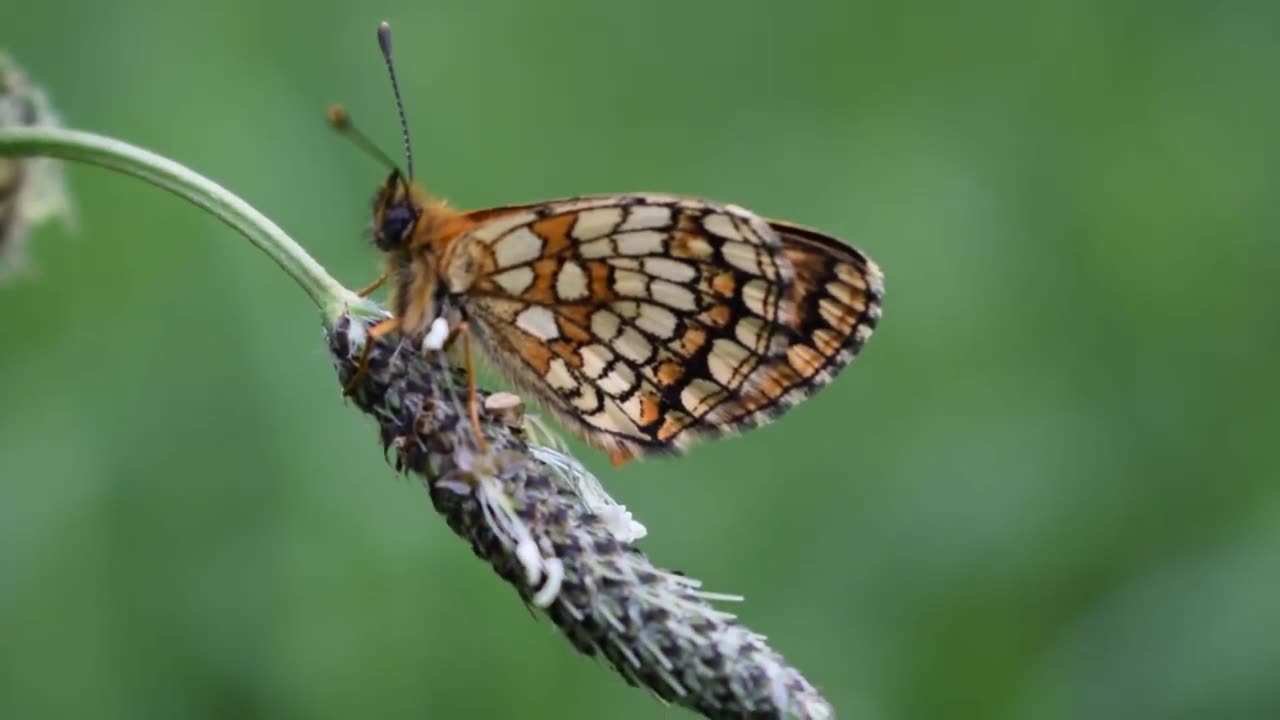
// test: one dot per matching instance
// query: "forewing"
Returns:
(647, 321)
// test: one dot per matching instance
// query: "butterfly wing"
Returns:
(645, 322)
(835, 299)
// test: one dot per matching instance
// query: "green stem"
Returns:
(326, 292)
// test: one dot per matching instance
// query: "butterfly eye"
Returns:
(397, 223)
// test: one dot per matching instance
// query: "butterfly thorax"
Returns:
(417, 233)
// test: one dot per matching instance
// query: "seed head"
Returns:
(31, 189)
(550, 530)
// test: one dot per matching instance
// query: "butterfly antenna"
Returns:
(340, 120)
(384, 42)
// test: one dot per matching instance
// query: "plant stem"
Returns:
(326, 292)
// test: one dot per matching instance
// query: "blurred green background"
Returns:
(1045, 490)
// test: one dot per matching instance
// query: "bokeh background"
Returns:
(1048, 489)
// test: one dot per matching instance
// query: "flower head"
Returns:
(547, 527)
(31, 188)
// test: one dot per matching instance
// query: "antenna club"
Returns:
(384, 38)
(384, 42)
(338, 117)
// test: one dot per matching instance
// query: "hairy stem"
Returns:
(326, 292)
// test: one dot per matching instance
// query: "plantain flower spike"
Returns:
(32, 189)
(549, 529)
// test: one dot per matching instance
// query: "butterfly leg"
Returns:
(620, 456)
(368, 290)
(463, 330)
(473, 402)
(389, 325)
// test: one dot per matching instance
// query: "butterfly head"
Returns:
(396, 210)
(399, 203)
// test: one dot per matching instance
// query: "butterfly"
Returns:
(643, 322)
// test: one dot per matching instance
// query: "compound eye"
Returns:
(396, 224)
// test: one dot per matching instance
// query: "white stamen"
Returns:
(528, 555)
(616, 518)
(551, 588)
(620, 523)
(436, 336)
